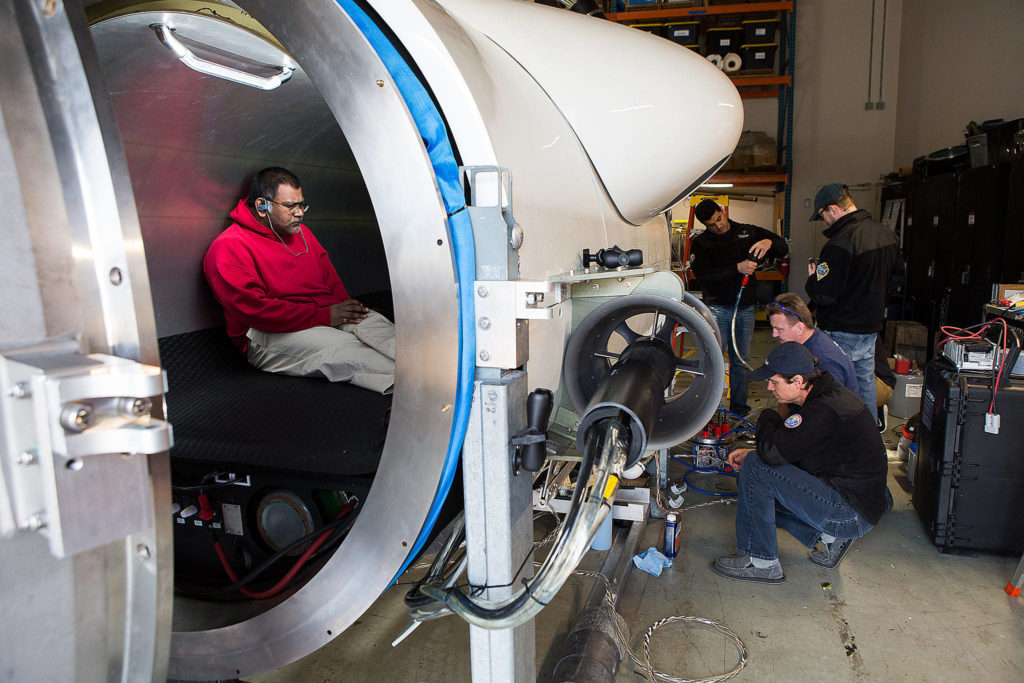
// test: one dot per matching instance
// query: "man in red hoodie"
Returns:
(284, 304)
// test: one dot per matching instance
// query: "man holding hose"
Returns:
(723, 259)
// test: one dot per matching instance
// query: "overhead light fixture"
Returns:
(166, 35)
(717, 185)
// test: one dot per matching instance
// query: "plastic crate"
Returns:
(759, 31)
(656, 29)
(683, 32)
(722, 40)
(760, 56)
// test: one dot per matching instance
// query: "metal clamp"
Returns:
(503, 308)
(73, 425)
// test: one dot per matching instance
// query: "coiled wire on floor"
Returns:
(644, 664)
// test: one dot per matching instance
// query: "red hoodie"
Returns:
(260, 284)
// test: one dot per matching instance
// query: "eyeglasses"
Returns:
(303, 207)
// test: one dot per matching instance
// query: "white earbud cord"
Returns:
(304, 244)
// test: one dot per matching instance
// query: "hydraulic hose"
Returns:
(607, 444)
(735, 311)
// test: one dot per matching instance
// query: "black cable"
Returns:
(270, 561)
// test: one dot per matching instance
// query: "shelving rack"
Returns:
(779, 85)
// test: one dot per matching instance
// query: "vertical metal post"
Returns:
(499, 522)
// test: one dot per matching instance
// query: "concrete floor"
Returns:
(895, 609)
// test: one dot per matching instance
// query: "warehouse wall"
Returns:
(960, 62)
(835, 138)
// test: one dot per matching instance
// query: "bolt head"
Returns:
(28, 457)
(484, 355)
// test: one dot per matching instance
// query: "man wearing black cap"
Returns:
(849, 281)
(722, 256)
(820, 473)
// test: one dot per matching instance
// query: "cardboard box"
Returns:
(1006, 291)
(907, 339)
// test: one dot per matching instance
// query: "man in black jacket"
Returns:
(820, 473)
(721, 257)
(849, 282)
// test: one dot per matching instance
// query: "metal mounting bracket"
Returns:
(72, 428)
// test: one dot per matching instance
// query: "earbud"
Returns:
(264, 206)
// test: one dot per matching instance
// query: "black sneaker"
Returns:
(833, 553)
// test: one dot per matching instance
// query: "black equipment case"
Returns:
(969, 483)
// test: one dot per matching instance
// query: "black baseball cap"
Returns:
(830, 194)
(790, 358)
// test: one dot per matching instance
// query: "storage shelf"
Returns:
(673, 12)
(744, 83)
(741, 81)
(751, 178)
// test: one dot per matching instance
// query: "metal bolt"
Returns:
(75, 464)
(20, 390)
(482, 292)
(116, 277)
(49, 8)
(595, 286)
(28, 457)
(35, 522)
(515, 237)
(143, 550)
(134, 407)
(380, 83)
(492, 395)
(485, 356)
(446, 407)
(485, 323)
(77, 416)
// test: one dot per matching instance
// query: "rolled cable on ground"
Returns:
(604, 454)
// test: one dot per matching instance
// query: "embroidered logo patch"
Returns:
(793, 421)
(822, 270)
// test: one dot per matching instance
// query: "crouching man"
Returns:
(819, 473)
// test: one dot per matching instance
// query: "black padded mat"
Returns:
(223, 410)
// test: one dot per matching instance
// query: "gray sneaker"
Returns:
(832, 553)
(743, 569)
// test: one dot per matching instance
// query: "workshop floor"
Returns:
(895, 609)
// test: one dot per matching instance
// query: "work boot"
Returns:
(743, 569)
(832, 553)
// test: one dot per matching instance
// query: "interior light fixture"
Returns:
(717, 185)
(166, 35)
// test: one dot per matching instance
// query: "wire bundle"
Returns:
(977, 333)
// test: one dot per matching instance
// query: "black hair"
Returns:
(705, 210)
(265, 183)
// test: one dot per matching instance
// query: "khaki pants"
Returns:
(363, 353)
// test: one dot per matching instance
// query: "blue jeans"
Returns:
(738, 375)
(789, 497)
(861, 350)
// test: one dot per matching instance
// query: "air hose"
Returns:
(735, 312)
